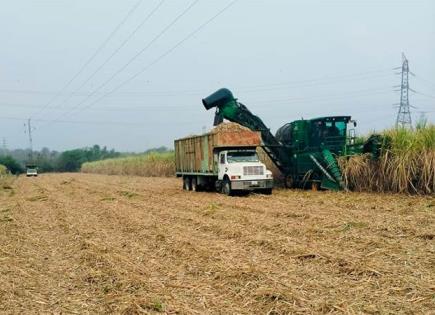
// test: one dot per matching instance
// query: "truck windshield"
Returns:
(242, 156)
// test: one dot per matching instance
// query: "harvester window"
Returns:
(317, 133)
(335, 128)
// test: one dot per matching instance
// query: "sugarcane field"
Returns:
(217, 157)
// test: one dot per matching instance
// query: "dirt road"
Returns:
(76, 243)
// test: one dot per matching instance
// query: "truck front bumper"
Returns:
(251, 184)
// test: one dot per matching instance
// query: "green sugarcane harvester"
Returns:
(305, 151)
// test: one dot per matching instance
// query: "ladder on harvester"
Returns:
(274, 157)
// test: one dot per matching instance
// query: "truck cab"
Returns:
(241, 170)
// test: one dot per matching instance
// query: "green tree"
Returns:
(72, 160)
(11, 164)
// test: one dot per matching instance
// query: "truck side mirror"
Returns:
(354, 123)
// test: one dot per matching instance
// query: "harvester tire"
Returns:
(289, 181)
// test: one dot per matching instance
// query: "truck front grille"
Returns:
(253, 170)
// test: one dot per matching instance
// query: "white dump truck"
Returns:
(225, 161)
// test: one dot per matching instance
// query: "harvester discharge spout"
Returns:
(227, 107)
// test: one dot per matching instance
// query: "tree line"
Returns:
(47, 160)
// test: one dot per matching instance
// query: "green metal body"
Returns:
(305, 151)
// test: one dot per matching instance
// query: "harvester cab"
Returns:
(335, 133)
(305, 151)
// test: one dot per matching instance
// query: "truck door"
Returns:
(223, 168)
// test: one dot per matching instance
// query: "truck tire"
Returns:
(226, 188)
(187, 183)
(195, 186)
(266, 191)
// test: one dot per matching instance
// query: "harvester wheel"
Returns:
(226, 187)
(187, 183)
(289, 182)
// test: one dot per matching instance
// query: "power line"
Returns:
(363, 92)
(424, 94)
(79, 122)
(327, 78)
(247, 88)
(114, 53)
(287, 101)
(184, 12)
(96, 52)
(90, 122)
(323, 98)
(428, 82)
(190, 35)
(101, 108)
(329, 81)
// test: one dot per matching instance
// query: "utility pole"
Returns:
(4, 146)
(403, 119)
(29, 130)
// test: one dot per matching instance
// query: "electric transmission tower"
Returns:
(403, 119)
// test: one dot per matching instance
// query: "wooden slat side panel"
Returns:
(190, 155)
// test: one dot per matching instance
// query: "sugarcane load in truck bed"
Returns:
(224, 160)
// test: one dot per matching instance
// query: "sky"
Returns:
(131, 74)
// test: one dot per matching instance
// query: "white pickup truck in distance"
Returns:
(31, 171)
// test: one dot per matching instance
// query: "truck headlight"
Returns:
(269, 176)
(235, 177)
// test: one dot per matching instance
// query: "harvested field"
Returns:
(82, 243)
(6, 182)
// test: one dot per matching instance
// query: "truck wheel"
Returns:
(195, 186)
(226, 187)
(266, 191)
(187, 184)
